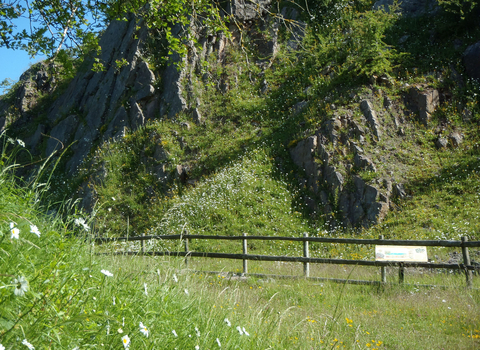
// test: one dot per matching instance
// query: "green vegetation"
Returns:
(250, 131)
(240, 179)
(56, 293)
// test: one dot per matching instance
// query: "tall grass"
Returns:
(56, 293)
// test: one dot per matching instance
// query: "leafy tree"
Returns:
(52, 24)
(73, 24)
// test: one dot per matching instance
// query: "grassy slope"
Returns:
(70, 301)
(241, 154)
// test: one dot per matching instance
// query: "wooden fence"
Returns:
(464, 244)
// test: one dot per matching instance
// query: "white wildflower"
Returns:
(14, 231)
(81, 222)
(21, 286)
(126, 341)
(2, 347)
(219, 344)
(143, 329)
(175, 333)
(21, 143)
(34, 229)
(186, 291)
(197, 331)
(239, 330)
(27, 344)
(245, 332)
(175, 278)
(107, 273)
(227, 322)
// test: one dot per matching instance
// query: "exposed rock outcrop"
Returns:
(423, 100)
(371, 116)
(115, 98)
(471, 60)
(359, 203)
(247, 10)
(410, 8)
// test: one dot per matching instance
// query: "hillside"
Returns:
(276, 118)
(56, 292)
(331, 120)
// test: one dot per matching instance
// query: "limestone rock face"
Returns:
(471, 60)
(172, 102)
(302, 155)
(99, 105)
(63, 130)
(441, 142)
(98, 97)
(247, 10)
(364, 163)
(424, 101)
(371, 116)
(34, 82)
(455, 139)
(359, 203)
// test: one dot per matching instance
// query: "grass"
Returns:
(56, 293)
(245, 182)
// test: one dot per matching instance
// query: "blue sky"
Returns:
(14, 63)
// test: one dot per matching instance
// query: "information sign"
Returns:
(400, 253)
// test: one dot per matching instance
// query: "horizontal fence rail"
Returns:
(306, 260)
(301, 259)
(428, 243)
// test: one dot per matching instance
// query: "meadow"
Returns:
(57, 293)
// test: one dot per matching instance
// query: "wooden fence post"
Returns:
(128, 228)
(143, 244)
(401, 273)
(245, 261)
(466, 262)
(383, 269)
(185, 236)
(306, 265)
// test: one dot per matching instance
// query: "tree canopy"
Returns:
(53, 25)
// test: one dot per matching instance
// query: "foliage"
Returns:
(464, 9)
(246, 183)
(56, 292)
(53, 24)
(74, 23)
(6, 83)
(352, 41)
